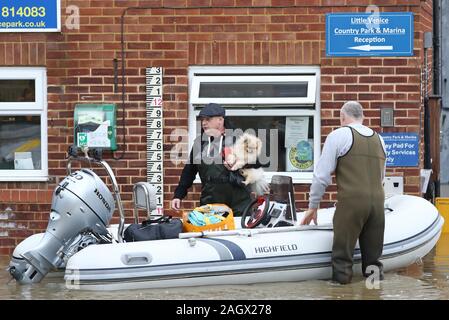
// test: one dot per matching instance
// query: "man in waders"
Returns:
(219, 185)
(357, 156)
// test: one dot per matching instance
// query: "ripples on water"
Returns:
(428, 280)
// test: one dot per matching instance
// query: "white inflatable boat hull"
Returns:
(412, 229)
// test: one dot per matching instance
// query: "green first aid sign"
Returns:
(82, 139)
(95, 126)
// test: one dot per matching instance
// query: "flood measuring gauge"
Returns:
(155, 158)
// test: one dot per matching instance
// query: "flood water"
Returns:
(428, 280)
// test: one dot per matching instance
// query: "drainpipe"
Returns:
(428, 42)
(437, 84)
(427, 157)
(437, 47)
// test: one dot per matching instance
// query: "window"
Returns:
(279, 104)
(261, 89)
(23, 124)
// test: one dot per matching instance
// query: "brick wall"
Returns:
(80, 69)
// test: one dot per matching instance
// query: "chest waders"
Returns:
(217, 188)
(360, 208)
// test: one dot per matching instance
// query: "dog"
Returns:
(245, 151)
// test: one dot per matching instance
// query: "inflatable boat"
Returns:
(241, 256)
(412, 228)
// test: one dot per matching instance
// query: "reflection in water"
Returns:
(428, 280)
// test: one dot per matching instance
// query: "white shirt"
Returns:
(337, 144)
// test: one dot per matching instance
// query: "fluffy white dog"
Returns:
(245, 151)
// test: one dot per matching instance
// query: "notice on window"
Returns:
(296, 130)
(300, 158)
(299, 147)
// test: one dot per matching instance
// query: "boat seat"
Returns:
(144, 195)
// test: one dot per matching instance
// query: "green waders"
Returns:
(360, 208)
(218, 189)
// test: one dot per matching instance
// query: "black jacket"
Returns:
(191, 168)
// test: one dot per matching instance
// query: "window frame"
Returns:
(309, 100)
(37, 108)
(253, 108)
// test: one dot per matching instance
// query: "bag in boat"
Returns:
(162, 228)
(214, 216)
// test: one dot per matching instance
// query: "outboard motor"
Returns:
(81, 204)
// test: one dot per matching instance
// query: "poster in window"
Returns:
(300, 157)
(296, 129)
(299, 148)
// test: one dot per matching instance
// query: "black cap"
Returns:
(212, 110)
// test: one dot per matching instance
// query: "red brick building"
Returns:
(200, 38)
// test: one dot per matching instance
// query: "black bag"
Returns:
(163, 228)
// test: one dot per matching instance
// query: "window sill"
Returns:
(295, 180)
(24, 179)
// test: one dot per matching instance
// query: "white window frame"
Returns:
(309, 100)
(260, 106)
(36, 108)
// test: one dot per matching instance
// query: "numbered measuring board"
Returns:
(155, 142)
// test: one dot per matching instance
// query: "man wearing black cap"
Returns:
(219, 185)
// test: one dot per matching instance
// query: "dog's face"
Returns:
(252, 145)
(248, 148)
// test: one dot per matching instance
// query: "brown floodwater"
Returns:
(428, 280)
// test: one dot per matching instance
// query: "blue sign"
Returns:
(402, 149)
(367, 34)
(30, 15)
